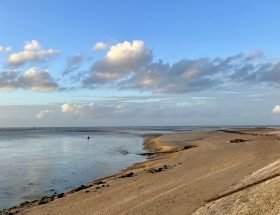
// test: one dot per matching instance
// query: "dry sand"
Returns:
(178, 181)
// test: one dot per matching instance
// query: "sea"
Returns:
(35, 162)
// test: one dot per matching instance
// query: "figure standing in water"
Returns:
(88, 137)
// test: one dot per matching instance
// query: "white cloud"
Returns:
(276, 109)
(44, 113)
(122, 53)
(5, 49)
(39, 81)
(32, 79)
(100, 46)
(79, 110)
(120, 61)
(65, 108)
(32, 52)
(70, 108)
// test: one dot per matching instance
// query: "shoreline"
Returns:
(158, 150)
(153, 150)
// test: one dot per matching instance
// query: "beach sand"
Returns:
(187, 172)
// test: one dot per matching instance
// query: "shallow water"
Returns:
(33, 164)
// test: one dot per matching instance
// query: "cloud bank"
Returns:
(131, 65)
(154, 110)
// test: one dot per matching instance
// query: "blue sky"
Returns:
(202, 28)
(176, 62)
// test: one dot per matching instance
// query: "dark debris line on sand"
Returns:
(131, 174)
(47, 199)
(156, 170)
(243, 188)
(238, 141)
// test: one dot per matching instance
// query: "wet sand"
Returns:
(185, 172)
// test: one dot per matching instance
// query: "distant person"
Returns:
(88, 137)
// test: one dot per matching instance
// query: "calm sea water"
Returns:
(33, 164)
(48, 160)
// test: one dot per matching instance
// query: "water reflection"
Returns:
(32, 166)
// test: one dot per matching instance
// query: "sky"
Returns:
(135, 63)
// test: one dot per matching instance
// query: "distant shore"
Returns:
(185, 171)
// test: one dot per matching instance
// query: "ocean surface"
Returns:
(39, 162)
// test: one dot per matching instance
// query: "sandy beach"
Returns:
(205, 172)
